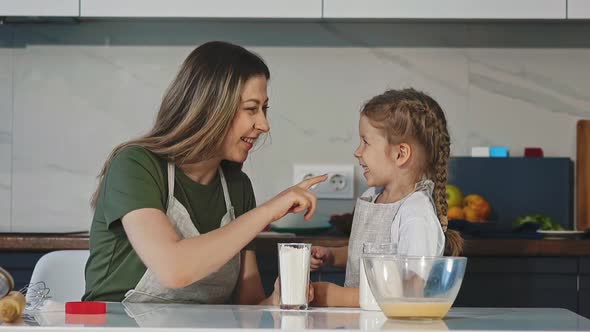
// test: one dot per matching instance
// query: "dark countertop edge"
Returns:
(473, 247)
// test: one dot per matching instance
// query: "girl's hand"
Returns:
(295, 199)
(321, 256)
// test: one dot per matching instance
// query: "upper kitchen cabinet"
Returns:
(69, 8)
(578, 9)
(446, 9)
(202, 8)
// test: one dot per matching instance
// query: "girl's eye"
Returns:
(265, 109)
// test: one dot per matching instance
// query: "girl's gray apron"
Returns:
(216, 287)
(372, 224)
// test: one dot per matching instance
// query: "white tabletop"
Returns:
(165, 317)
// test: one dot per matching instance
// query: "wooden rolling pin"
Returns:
(12, 306)
(583, 175)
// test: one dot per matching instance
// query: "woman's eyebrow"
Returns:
(255, 100)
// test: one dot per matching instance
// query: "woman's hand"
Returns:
(275, 297)
(321, 256)
(295, 199)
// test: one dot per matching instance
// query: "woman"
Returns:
(173, 210)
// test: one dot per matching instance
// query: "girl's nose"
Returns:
(357, 152)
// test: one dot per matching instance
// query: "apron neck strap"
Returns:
(170, 184)
(228, 204)
(171, 171)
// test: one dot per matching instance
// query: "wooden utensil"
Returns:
(583, 175)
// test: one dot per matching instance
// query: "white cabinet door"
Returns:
(446, 9)
(202, 8)
(578, 9)
(39, 8)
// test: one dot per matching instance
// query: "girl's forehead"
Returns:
(367, 126)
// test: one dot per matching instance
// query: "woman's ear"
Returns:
(403, 154)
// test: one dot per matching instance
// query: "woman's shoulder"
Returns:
(137, 157)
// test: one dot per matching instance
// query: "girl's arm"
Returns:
(328, 294)
(340, 256)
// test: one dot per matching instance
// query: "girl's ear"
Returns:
(403, 154)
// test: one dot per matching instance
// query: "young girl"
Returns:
(404, 153)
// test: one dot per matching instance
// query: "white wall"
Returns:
(69, 93)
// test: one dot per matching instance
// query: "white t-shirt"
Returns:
(416, 229)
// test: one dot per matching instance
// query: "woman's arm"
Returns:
(180, 262)
(250, 289)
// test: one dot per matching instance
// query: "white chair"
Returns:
(63, 273)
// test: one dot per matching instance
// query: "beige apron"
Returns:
(215, 288)
(372, 224)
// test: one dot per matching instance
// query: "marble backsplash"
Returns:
(70, 92)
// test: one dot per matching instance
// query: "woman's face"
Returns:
(249, 122)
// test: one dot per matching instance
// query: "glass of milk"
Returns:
(366, 299)
(294, 274)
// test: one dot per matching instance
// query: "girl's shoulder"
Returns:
(418, 204)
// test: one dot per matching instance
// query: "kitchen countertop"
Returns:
(160, 317)
(267, 243)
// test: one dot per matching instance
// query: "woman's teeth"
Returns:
(248, 140)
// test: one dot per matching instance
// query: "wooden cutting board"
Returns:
(583, 175)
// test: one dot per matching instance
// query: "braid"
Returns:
(438, 141)
(441, 153)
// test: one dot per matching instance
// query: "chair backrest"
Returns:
(63, 272)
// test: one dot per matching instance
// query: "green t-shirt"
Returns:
(137, 179)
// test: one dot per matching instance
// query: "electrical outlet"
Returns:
(340, 182)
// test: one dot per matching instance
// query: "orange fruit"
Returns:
(455, 212)
(479, 204)
(471, 214)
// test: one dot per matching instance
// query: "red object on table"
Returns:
(533, 152)
(80, 319)
(86, 308)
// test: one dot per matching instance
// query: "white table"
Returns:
(166, 317)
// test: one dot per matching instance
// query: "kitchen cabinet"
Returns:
(202, 8)
(584, 287)
(520, 282)
(20, 265)
(446, 9)
(69, 8)
(578, 9)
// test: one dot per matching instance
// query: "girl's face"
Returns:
(376, 156)
(249, 122)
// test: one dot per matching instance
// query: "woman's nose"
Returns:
(262, 123)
